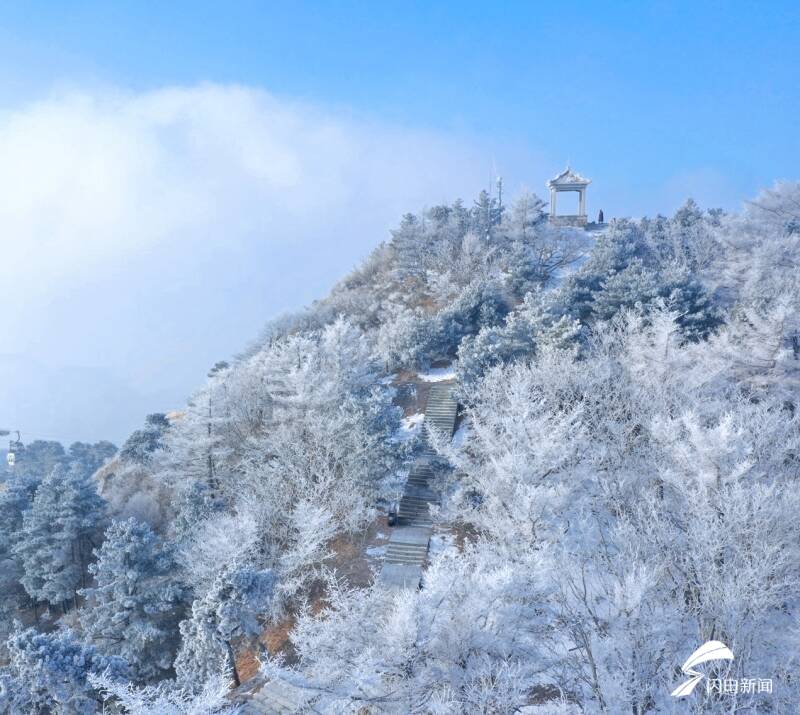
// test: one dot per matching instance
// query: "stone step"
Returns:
(407, 517)
(409, 535)
(415, 556)
(410, 514)
(414, 515)
(407, 505)
(407, 547)
(276, 698)
(407, 559)
(409, 551)
(400, 575)
(415, 521)
(420, 475)
(417, 494)
(424, 492)
(406, 556)
(413, 508)
(419, 554)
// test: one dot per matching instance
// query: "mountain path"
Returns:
(406, 552)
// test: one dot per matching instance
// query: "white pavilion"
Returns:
(568, 180)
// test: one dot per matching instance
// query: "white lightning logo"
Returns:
(711, 650)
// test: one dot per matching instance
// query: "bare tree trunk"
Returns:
(232, 659)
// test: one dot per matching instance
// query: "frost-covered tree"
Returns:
(136, 602)
(626, 270)
(139, 447)
(167, 698)
(486, 213)
(15, 500)
(37, 459)
(49, 673)
(90, 457)
(532, 324)
(302, 435)
(225, 616)
(533, 253)
(467, 642)
(58, 532)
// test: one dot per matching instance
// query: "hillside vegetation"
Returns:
(623, 488)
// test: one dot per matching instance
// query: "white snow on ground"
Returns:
(380, 535)
(438, 374)
(409, 427)
(441, 542)
(461, 435)
(376, 551)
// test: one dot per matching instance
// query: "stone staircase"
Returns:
(408, 545)
(441, 409)
(405, 554)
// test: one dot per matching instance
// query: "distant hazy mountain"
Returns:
(70, 403)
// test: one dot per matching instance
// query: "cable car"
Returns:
(13, 447)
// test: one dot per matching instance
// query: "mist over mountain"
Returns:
(69, 404)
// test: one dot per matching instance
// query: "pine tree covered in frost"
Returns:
(134, 606)
(57, 535)
(49, 673)
(229, 611)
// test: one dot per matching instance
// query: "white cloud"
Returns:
(149, 233)
(88, 177)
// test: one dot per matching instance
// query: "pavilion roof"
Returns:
(568, 177)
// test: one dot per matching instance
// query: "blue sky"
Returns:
(174, 174)
(639, 95)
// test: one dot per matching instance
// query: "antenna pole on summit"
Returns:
(499, 193)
